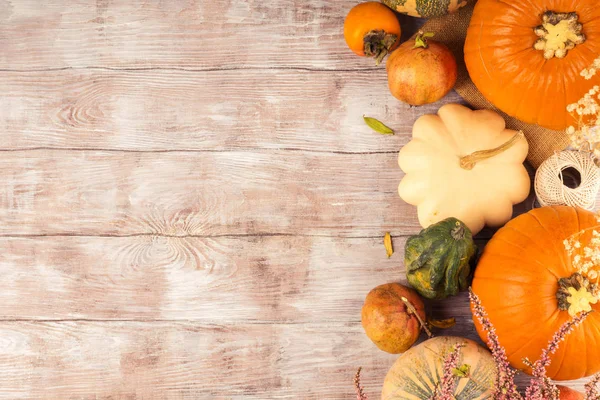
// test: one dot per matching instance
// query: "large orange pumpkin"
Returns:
(517, 280)
(526, 56)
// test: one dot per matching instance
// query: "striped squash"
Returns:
(417, 373)
(425, 8)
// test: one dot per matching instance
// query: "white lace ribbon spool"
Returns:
(550, 187)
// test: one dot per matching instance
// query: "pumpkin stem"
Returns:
(458, 233)
(468, 162)
(421, 39)
(413, 310)
(576, 294)
(559, 33)
(377, 44)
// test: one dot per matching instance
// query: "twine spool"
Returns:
(568, 178)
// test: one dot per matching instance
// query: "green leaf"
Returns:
(421, 39)
(442, 323)
(378, 126)
(462, 372)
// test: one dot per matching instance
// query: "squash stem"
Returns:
(468, 162)
(458, 233)
(576, 294)
(413, 310)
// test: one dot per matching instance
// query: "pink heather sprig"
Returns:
(360, 394)
(591, 388)
(541, 388)
(448, 384)
(506, 389)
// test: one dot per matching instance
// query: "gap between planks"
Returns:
(200, 322)
(232, 150)
(478, 240)
(227, 235)
(219, 69)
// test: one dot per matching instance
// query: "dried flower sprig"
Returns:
(506, 389)
(448, 385)
(585, 258)
(586, 136)
(591, 388)
(578, 292)
(589, 73)
(360, 393)
(541, 388)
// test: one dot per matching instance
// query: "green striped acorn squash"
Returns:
(417, 373)
(425, 8)
(437, 259)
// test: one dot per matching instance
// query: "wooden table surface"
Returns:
(191, 206)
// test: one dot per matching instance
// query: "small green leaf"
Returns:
(421, 39)
(378, 126)
(442, 323)
(462, 372)
(387, 242)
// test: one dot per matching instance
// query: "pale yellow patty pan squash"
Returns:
(464, 164)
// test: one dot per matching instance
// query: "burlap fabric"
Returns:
(452, 31)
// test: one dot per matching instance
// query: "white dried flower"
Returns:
(587, 110)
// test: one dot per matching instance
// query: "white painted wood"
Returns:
(190, 204)
(184, 360)
(214, 110)
(190, 193)
(217, 280)
(191, 34)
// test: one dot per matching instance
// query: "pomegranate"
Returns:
(392, 316)
(421, 72)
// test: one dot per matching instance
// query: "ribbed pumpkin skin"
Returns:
(417, 372)
(437, 263)
(425, 8)
(513, 75)
(517, 280)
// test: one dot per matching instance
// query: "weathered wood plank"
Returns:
(186, 360)
(127, 360)
(218, 110)
(222, 280)
(190, 193)
(193, 34)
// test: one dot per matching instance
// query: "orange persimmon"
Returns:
(372, 30)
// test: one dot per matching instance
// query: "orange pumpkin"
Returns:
(517, 280)
(526, 56)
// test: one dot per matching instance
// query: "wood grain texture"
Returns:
(216, 110)
(215, 280)
(191, 34)
(187, 193)
(184, 360)
(191, 206)
(187, 360)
